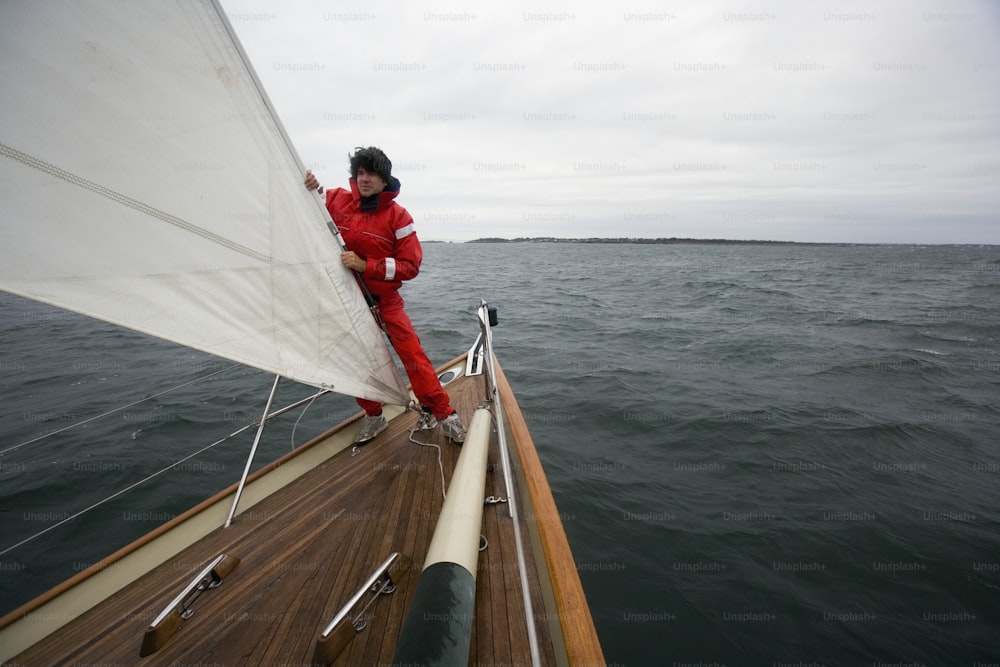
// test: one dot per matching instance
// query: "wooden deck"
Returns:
(309, 546)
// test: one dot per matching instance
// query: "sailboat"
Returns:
(147, 181)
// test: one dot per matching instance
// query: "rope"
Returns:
(303, 414)
(444, 494)
(491, 500)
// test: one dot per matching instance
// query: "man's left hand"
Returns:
(353, 261)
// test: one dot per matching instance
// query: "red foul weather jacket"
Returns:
(384, 237)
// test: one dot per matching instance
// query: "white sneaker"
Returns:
(371, 428)
(454, 428)
(426, 421)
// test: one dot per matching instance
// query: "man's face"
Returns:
(369, 183)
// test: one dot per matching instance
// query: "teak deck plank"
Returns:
(305, 550)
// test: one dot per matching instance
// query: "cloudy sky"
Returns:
(845, 121)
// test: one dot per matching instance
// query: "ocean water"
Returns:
(763, 455)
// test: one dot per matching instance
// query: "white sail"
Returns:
(146, 181)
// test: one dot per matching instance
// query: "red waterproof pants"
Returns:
(418, 367)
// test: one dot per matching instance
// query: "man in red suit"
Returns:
(383, 248)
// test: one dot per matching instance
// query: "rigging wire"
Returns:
(493, 395)
(235, 433)
(123, 491)
(111, 412)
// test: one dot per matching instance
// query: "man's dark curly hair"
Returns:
(371, 159)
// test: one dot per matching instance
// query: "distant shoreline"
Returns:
(689, 241)
(657, 241)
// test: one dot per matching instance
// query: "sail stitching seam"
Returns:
(108, 193)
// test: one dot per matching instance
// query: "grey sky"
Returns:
(808, 121)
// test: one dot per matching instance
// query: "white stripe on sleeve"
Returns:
(390, 268)
(405, 231)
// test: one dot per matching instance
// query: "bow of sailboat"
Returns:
(314, 529)
(169, 201)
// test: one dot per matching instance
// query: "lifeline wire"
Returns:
(115, 495)
(143, 481)
(111, 412)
